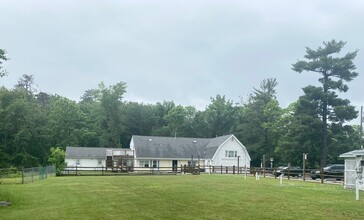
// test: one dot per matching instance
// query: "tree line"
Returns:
(33, 122)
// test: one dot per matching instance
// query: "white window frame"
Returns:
(144, 163)
(99, 162)
(231, 153)
(78, 162)
(154, 163)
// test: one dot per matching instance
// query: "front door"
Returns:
(174, 165)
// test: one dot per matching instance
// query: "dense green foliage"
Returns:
(57, 158)
(178, 197)
(33, 122)
(329, 109)
(2, 59)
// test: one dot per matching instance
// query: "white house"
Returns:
(166, 152)
(163, 153)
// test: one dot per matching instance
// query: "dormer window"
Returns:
(231, 153)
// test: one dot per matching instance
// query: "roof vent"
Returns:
(150, 139)
(194, 141)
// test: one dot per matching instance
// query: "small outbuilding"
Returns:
(98, 158)
(354, 163)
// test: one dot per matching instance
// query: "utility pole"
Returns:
(361, 127)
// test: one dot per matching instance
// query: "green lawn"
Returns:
(177, 197)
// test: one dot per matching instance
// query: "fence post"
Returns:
(322, 175)
(289, 172)
(234, 169)
(238, 164)
(22, 176)
(102, 170)
(221, 169)
(227, 169)
(76, 171)
(32, 173)
(184, 169)
(274, 172)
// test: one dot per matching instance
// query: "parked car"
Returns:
(291, 171)
(331, 171)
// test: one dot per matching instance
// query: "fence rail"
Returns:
(270, 172)
(128, 170)
(25, 175)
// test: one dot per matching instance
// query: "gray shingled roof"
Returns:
(85, 152)
(353, 153)
(171, 147)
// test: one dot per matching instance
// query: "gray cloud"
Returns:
(185, 51)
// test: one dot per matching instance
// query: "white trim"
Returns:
(157, 158)
(244, 148)
(217, 150)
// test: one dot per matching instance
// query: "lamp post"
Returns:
(361, 128)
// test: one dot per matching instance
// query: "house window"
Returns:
(78, 162)
(144, 163)
(231, 153)
(155, 163)
(99, 162)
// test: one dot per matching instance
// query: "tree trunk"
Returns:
(324, 147)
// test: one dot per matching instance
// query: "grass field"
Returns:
(177, 197)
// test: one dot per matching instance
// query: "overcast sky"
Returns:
(181, 51)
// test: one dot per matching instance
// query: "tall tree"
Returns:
(22, 125)
(67, 121)
(300, 133)
(180, 120)
(2, 59)
(91, 130)
(27, 82)
(110, 116)
(139, 119)
(220, 116)
(161, 110)
(257, 127)
(334, 72)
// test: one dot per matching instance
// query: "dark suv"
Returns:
(335, 171)
(291, 171)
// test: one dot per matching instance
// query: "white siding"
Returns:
(85, 163)
(351, 164)
(231, 144)
(350, 173)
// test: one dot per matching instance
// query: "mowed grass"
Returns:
(178, 197)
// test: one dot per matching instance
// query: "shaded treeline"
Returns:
(32, 122)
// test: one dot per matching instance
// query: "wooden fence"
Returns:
(196, 170)
(128, 170)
